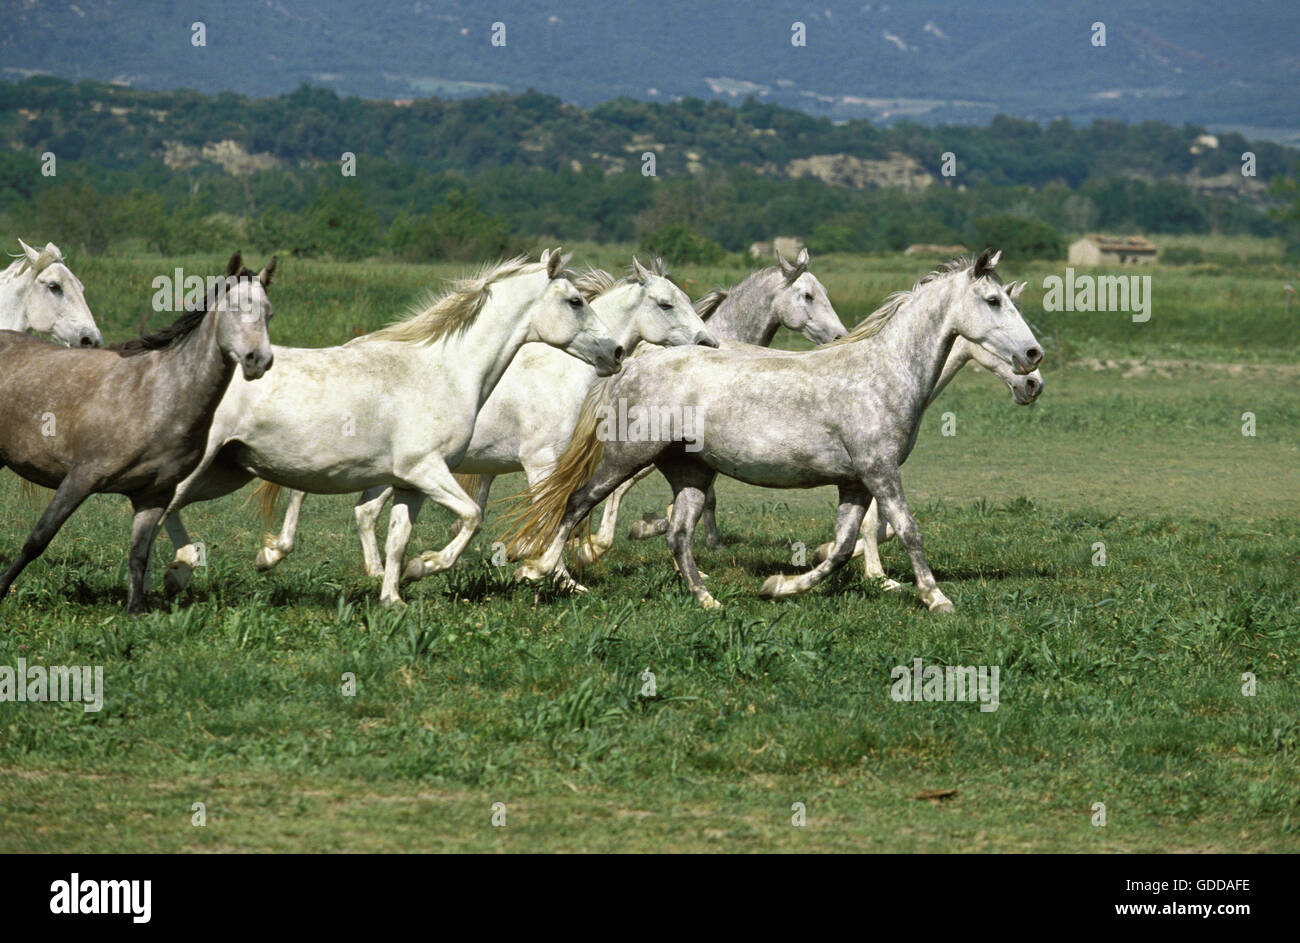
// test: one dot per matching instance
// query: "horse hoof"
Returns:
(176, 577)
(713, 541)
(822, 553)
(890, 586)
(267, 557)
(638, 531)
(527, 572)
(421, 567)
(392, 602)
(569, 585)
(942, 605)
(772, 587)
(708, 602)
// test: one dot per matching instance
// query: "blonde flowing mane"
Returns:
(875, 322)
(456, 308)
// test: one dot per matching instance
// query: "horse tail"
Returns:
(534, 515)
(266, 494)
(470, 483)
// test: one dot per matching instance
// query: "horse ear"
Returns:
(985, 263)
(804, 259)
(553, 262)
(786, 265)
(1014, 291)
(234, 265)
(267, 274)
(642, 275)
(32, 254)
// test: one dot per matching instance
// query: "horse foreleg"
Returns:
(848, 520)
(439, 484)
(484, 489)
(188, 556)
(690, 485)
(369, 506)
(888, 490)
(144, 528)
(67, 498)
(205, 483)
(275, 549)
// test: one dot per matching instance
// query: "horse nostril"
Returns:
(618, 353)
(1033, 354)
(88, 341)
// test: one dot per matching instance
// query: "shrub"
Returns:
(1019, 238)
(681, 245)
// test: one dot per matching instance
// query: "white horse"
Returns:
(845, 415)
(529, 418)
(1025, 389)
(38, 292)
(396, 407)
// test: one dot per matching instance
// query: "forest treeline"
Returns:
(476, 177)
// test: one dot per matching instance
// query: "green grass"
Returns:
(1119, 684)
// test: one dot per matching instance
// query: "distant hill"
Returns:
(1226, 67)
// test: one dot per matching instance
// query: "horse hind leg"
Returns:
(848, 520)
(712, 539)
(276, 548)
(614, 470)
(598, 544)
(67, 498)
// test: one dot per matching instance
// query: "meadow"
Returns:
(1120, 684)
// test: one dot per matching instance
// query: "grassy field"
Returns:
(1119, 684)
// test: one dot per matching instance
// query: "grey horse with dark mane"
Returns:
(128, 419)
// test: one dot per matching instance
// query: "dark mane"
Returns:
(179, 329)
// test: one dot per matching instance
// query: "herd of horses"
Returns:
(518, 367)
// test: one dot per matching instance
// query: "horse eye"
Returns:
(56, 288)
(995, 302)
(575, 302)
(666, 305)
(807, 296)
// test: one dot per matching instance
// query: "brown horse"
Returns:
(128, 419)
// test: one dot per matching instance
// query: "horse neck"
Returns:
(958, 357)
(616, 312)
(481, 352)
(195, 364)
(746, 314)
(14, 289)
(912, 347)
